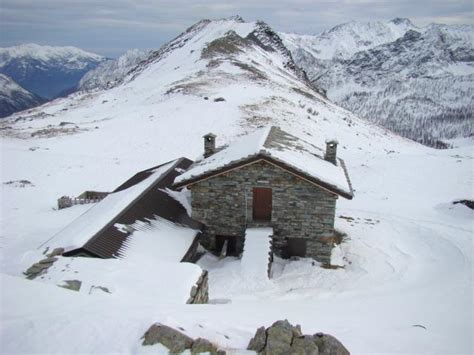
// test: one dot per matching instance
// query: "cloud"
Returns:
(111, 27)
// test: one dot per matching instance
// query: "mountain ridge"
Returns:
(14, 98)
(47, 71)
(417, 84)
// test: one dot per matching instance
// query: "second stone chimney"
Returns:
(209, 144)
(331, 151)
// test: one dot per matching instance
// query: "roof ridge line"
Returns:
(268, 129)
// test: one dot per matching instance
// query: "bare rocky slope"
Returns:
(14, 98)
(417, 82)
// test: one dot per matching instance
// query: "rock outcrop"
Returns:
(283, 338)
(177, 342)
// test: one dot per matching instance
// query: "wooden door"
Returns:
(262, 204)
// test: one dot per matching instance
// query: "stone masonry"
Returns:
(300, 209)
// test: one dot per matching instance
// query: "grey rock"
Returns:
(49, 260)
(174, 340)
(258, 342)
(304, 345)
(277, 347)
(193, 291)
(201, 345)
(279, 338)
(329, 345)
(74, 285)
(281, 331)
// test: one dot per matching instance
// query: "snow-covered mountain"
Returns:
(110, 71)
(14, 98)
(47, 71)
(342, 41)
(417, 82)
(407, 245)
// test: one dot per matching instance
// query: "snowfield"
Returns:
(406, 284)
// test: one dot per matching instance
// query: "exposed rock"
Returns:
(279, 337)
(281, 330)
(48, 260)
(201, 345)
(328, 345)
(74, 285)
(304, 345)
(258, 342)
(283, 338)
(277, 347)
(174, 340)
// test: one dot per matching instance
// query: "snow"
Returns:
(160, 240)
(409, 256)
(76, 234)
(246, 146)
(45, 53)
(346, 39)
(299, 154)
(417, 83)
(183, 197)
(337, 256)
(255, 257)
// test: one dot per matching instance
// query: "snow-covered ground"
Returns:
(407, 282)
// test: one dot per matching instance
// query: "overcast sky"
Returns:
(110, 27)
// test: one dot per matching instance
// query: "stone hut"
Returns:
(268, 178)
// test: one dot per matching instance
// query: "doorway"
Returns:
(262, 204)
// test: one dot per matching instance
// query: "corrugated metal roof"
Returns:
(152, 203)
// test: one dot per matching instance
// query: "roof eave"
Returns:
(270, 159)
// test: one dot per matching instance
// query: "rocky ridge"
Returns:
(415, 81)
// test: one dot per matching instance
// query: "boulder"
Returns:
(281, 330)
(283, 338)
(304, 345)
(174, 340)
(74, 285)
(279, 338)
(48, 260)
(329, 345)
(258, 342)
(201, 345)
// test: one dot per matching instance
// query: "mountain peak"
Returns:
(46, 52)
(402, 20)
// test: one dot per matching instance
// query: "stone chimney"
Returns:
(209, 144)
(331, 150)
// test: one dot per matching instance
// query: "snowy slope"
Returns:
(408, 247)
(14, 98)
(110, 71)
(414, 81)
(47, 71)
(343, 41)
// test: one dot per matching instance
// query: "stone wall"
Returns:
(300, 209)
(200, 292)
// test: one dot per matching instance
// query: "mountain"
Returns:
(415, 81)
(342, 41)
(407, 244)
(235, 74)
(45, 70)
(110, 71)
(14, 98)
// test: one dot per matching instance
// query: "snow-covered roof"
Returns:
(281, 148)
(103, 230)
